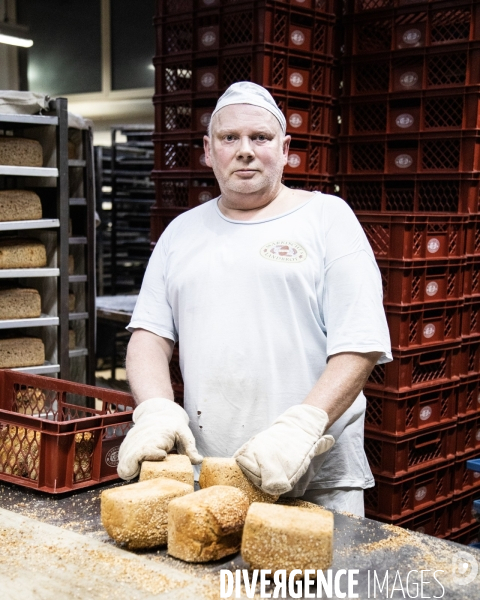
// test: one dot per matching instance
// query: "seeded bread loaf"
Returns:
(71, 302)
(20, 152)
(174, 466)
(287, 537)
(207, 525)
(225, 471)
(136, 514)
(17, 253)
(21, 352)
(20, 303)
(19, 205)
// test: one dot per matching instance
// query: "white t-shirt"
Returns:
(257, 307)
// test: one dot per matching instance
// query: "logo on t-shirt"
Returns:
(284, 251)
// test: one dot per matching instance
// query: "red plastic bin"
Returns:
(411, 236)
(413, 369)
(470, 356)
(423, 69)
(433, 521)
(471, 316)
(413, 282)
(407, 412)
(471, 281)
(462, 514)
(466, 479)
(466, 535)
(413, 27)
(473, 236)
(412, 327)
(444, 194)
(397, 498)
(468, 434)
(414, 112)
(57, 436)
(468, 399)
(393, 456)
(184, 193)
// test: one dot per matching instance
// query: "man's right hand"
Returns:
(160, 424)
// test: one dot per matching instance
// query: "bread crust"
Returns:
(175, 466)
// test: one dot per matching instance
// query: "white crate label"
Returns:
(295, 120)
(409, 79)
(433, 245)
(208, 79)
(403, 161)
(294, 161)
(425, 413)
(432, 288)
(296, 79)
(412, 36)
(404, 120)
(297, 37)
(429, 330)
(420, 493)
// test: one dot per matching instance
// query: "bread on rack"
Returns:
(21, 352)
(18, 253)
(19, 205)
(71, 302)
(20, 303)
(20, 152)
(72, 339)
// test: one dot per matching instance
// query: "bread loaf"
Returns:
(300, 503)
(20, 452)
(225, 471)
(20, 152)
(207, 525)
(20, 303)
(29, 401)
(21, 352)
(19, 205)
(16, 253)
(72, 340)
(71, 302)
(175, 466)
(287, 537)
(136, 514)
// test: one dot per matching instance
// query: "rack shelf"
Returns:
(33, 224)
(42, 321)
(46, 369)
(40, 272)
(29, 171)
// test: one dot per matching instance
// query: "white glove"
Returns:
(275, 459)
(159, 425)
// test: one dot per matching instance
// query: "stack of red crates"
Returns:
(203, 46)
(409, 167)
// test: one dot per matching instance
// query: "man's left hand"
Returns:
(275, 459)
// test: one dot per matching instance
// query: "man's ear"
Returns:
(207, 147)
(286, 147)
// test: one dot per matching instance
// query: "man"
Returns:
(276, 301)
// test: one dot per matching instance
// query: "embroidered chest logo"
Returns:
(284, 251)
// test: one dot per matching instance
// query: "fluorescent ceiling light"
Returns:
(14, 35)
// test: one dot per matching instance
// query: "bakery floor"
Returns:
(56, 548)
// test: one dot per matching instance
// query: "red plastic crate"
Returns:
(471, 316)
(466, 535)
(468, 399)
(310, 183)
(472, 240)
(393, 456)
(423, 69)
(470, 356)
(430, 521)
(444, 194)
(414, 112)
(402, 413)
(275, 70)
(315, 157)
(415, 237)
(412, 327)
(185, 154)
(184, 193)
(182, 115)
(57, 436)
(413, 282)
(413, 27)
(246, 24)
(418, 368)
(466, 479)
(399, 497)
(457, 152)
(468, 434)
(160, 219)
(358, 6)
(462, 514)
(471, 280)
(174, 7)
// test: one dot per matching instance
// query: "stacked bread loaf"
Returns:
(21, 352)
(19, 205)
(19, 303)
(18, 253)
(20, 152)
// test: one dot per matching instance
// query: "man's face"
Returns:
(247, 149)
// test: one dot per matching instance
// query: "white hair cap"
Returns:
(246, 92)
